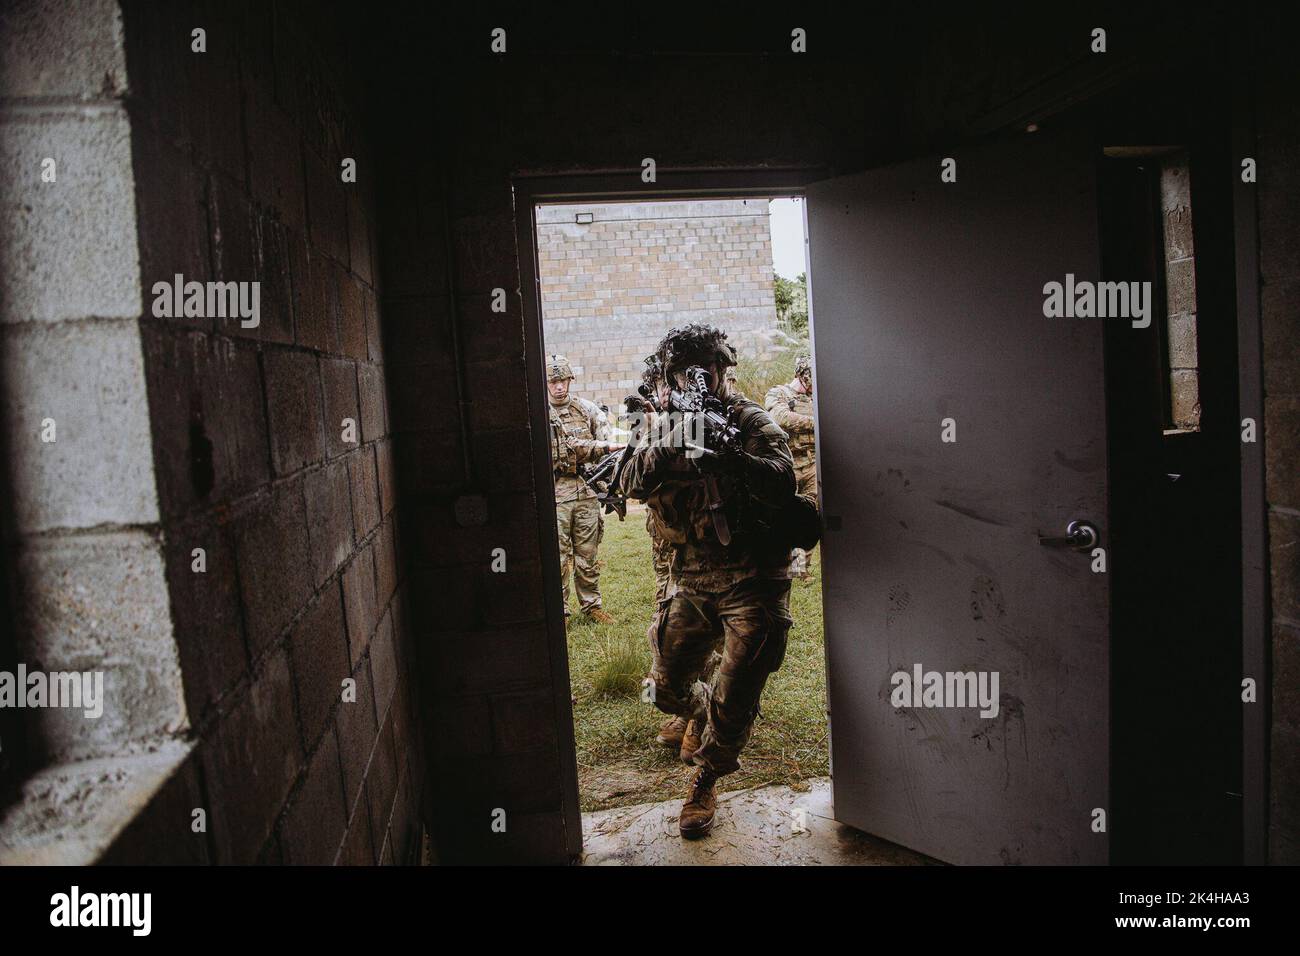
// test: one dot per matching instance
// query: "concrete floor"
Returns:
(763, 826)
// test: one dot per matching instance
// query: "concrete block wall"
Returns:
(237, 155)
(1278, 134)
(83, 554)
(611, 288)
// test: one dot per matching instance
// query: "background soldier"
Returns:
(580, 433)
(791, 407)
(736, 592)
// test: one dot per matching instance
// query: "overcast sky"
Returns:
(787, 237)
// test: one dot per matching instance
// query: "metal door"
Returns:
(927, 300)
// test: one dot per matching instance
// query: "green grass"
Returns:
(619, 763)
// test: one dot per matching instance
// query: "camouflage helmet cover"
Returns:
(557, 367)
(802, 366)
(695, 344)
(654, 371)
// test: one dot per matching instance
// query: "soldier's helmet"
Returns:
(557, 367)
(803, 367)
(654, 371)
(694, 344)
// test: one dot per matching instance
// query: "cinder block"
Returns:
(358, 845)
(1286, 676)
(293, 401)
(276, 175)
(1280, 318)
(99, 603)
(275, 570)
(507, 382)
(385, 564)
(523, 722)
(329, 518)
(381, 783)
(358, 233)
(271, 269)
(359, 602)
(315, 823)
(485, 253)
(215, 99)
(326, 208)
(1284, 564)
(88, 380)
(415, 331)
(517, 783)
(209, 426)
(482, 662)
(352, 317)
(48, 48)
(374, 330)
(517, 600)
(421, 397)
(1181, 286)
(383, 665)
(251, 762)
(370, 385)
(365, 491)
(1282, 451)
(357, 730)
(1279, 210)
(315, 297)
(1284, 778)
(62, 248)
(339, 380)
(387, 477)
(319, 647)
(205, 609)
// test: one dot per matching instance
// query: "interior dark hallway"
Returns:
(341, 672)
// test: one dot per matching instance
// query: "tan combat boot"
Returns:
(696, 819)
(670, 734)
(691, 741)
(599, 616)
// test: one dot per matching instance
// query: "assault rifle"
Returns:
(601, 478)
(721, 438)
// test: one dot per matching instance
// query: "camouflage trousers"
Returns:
(580, 526)
(805, 475)
(751, 620)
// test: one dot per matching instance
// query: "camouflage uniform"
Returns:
(793, 411)
(580, 433)
(736, 594)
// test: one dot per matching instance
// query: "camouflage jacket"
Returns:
(580, 434)
(674, 489)
(793, 411)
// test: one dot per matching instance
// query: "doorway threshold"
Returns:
(763, 826)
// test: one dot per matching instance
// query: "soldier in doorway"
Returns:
(677, 733)
(791, 407)
(730, 582)
(580, 433)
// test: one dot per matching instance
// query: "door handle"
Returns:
(1079, 536)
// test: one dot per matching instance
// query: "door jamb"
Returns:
(620, 186)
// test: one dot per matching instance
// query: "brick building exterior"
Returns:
(613, 286)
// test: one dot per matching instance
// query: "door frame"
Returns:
(606, 186)
(625, 185)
